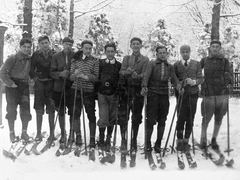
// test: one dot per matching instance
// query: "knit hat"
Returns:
(68, 39)
(185, 47)
(215, 42)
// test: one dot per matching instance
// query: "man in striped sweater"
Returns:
(84, 72)
(189, 72)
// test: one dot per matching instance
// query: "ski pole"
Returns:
(73, 113)
(205, 121)
(191, 119)
(84, 127)
(178, 114)
(228, 128)
(169, 132)
(115, 129)
(56, 118)
(145, 126)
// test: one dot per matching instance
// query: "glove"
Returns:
(14, 86)
(85, 77)
(190, 81)
(64, 74)
(129, 71)
(227, 78)
(72, 77)
(35, 79)
(134, 75)
(179, 88)
(144, 91)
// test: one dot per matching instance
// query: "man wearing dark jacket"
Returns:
(132, 69)
(215, 90)
(14, 73)
(189, 73)
(43, 87)
(107, 98)
(155, 85)
(60, 71)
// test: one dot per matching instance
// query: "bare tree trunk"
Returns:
(216, 20)
(27, 19)
(71, 21)
(2, 31)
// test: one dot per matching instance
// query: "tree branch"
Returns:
(230, 15)
(91, 9)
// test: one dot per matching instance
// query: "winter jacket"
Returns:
(59, 64)
(40, 65)
(108, 77)
(217, 76)
(157, 76)
(139, 66)
(193, 71)
(16, 66)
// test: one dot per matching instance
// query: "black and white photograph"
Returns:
(119, 89)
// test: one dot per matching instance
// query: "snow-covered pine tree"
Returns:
(100, 32)
(159, 35)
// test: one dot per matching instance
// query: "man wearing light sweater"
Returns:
(84, 72)
(189, 72)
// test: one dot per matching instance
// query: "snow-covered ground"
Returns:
(48, 166)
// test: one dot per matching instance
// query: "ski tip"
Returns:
(153, 167)
(162, 166)
(229, 163)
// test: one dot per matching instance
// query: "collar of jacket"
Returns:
(112, 61)
(139, 56)
(183, 61)
(158, 61)
(22, 56)
(219, 56)
(49, 52)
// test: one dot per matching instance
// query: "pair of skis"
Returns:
(15, 150)
(216, 156)
(106, 155)
(190, 159)
(161, 163)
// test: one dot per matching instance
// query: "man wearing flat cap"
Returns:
(132, 69)
(60, 71)
(217, 78)
(189, 73)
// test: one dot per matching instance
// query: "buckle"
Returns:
(107, 84)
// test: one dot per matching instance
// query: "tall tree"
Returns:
(27, 18)
(216, 20)
(71, 19)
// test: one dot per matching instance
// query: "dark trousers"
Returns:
(134, 100)
(18, 96)
(89, 104)
(43, 97)
(58, 98)
(157, 109)
(186, 114)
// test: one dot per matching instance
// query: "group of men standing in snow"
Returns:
(65, 77)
